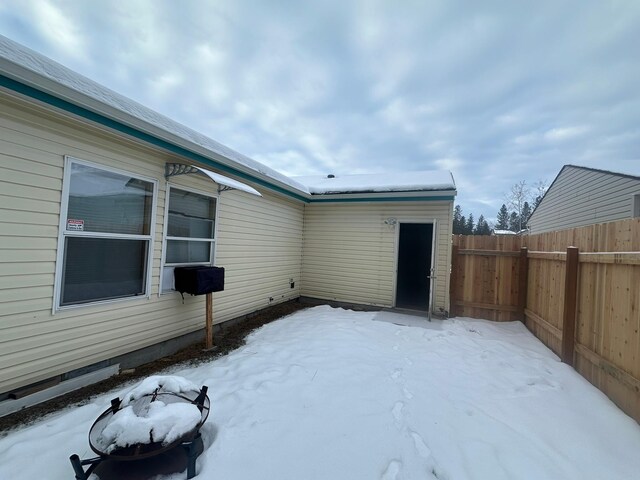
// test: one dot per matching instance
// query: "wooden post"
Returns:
(523, 282)
(208, 331)
(570, 306)
(453, 280)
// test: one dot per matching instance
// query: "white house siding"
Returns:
(581, 197)
(349, 253)
(259, 243)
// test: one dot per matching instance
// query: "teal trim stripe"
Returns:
(133, 132)
(385, 199)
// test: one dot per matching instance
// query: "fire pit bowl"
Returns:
(163, 413)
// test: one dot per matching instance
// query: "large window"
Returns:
(106, 234)
(190, 232)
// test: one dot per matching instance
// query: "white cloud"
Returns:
(56, 28)
(497, 93)
(565, 133)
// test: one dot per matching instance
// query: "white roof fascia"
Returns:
(386, 194)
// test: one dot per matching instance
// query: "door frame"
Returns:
(434, 266)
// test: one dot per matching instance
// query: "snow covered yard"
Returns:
(335, 394)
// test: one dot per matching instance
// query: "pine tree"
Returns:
(482, 227)
(514, 222)
(537, 201)
(503, 218)
(458, 221)
(468, 230)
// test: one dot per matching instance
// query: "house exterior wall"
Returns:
(259, 242)
(350, 254)
(581, 197)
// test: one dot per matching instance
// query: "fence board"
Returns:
(484, 269)
(607, 336)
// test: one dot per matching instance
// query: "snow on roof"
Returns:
(504, 232)
(42, 73)
(379, 182)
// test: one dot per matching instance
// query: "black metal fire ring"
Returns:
(145, 451)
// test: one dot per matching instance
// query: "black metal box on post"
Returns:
(201, 280)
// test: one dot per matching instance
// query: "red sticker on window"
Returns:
(75, 225)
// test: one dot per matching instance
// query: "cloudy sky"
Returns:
(495, 91)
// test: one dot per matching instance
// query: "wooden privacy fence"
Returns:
(577, 290)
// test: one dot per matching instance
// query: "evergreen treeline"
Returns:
(466, 226)
(514, 219)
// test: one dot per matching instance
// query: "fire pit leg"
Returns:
(192, 455)
(77, 465)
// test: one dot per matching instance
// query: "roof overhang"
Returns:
(27, 76)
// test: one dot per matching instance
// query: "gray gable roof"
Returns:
(582, 196)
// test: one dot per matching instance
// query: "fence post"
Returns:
(453, 280)
(523, 281)
(570, 306)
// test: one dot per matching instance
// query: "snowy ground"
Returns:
(335, 394)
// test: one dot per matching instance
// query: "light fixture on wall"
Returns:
(391, 221)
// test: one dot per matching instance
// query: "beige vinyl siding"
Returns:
(349, 253)
(581, 197)
(259, 243)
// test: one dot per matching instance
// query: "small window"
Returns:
(106, 235)
(635, 206)
(190, 232)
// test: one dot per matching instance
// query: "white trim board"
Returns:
(11, 406)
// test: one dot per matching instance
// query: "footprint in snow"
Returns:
(425, 452)
(407, 393)
(421, 447)
(397, 412)
(397, 373)
(392, 470)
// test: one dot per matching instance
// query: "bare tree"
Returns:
(539, 189)
(516, 198)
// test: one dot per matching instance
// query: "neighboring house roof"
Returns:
(581, 196)
(609, 172)
(29, 73)
(504, 232)
(433, 180)
(568, 166)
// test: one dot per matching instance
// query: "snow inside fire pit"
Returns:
(152, 412)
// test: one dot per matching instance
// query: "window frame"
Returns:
(63, 234)
(165, 237)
